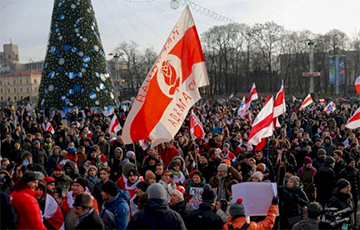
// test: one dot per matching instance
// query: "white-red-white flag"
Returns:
(322, 101)
(308, 100)
(242, 109)
(279, 105)
(53, 214)
(114, 126)
(293, 98)
(330, 107)
(47, 127)
(196, 127)
(279, 102)
(170, 89)
(253, 93)
(263, 124)
(354, 121)
(357, 85)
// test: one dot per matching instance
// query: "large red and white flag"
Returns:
(308, 100)
(53, 214)
(357, 85)
(47, 127)
(170, 89)
(354, 121)
(263, 124)
(196, 127)
(114, 126)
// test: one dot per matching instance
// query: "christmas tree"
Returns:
(75, 71)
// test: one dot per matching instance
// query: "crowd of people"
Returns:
(71, 173)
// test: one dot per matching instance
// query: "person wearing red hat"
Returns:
(307, 175)
(177, 201)
(50, 185)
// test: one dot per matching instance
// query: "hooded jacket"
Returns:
(27, 209)
(156, 215)
(116, 211)
(203, 218)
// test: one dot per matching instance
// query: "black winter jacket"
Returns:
(203, 218)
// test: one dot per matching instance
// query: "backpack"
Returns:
(244, 227)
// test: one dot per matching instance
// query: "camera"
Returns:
(331, 218)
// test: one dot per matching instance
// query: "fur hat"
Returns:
(179, 192)
(156, 191)
(295, 180)
(237, 208)
(258, 175)
(261, 167)
(208, 196)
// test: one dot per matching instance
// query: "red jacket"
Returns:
(268, 223)
(27, 209)
(168, 154)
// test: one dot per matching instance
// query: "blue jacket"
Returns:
(115, 212)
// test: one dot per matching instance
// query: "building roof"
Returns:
(22, 73)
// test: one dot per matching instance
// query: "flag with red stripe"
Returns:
(308, 100)
(263, 124)
(279, 105)
(47, 127)
(357, 85)
(170, 89)
(114, 126)
(354, 121)
(196, 127)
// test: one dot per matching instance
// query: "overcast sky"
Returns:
(149, 22)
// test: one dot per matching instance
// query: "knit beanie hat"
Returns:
(142, 185)
(321, 151)
(195, 172)
(81, 181)
(71, 150)
(208, 196)
(93, 167)
(179, 192)
(49, 180)
(129, 154)
(307, 160)
(258, 175)
(156, 191)
(126, 168)
(295, 180)
(26, 154)
(237, 208)
(349, 160)
(110, 188)
(342, 183)
(329, 160)
(30, 176)
(222, 167)
(149, 175)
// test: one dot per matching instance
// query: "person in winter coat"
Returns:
(25, 204)
(293, 199)
(86, 214)
(176, 169)
(116, 211)
(115, 163)
(38, 153)
(70, 169)
(156, 213)
(177, 201)
(237, 213)
(328, 146)
(136, 202)
(149, 163)
(325, 181)
(54, 159)
(204, 217)
(319, 160)
(31, 165)
(53, 217)
(62, 181)
(169, 152)
(339, 162)
(225, 174)
(196, 181)
(104, 177)
(129, 179)
(307, 176)
(342, 199)
(314, 211)
(91, 177)
(351, 173)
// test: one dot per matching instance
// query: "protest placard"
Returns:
(256, 196)
(195, 200)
